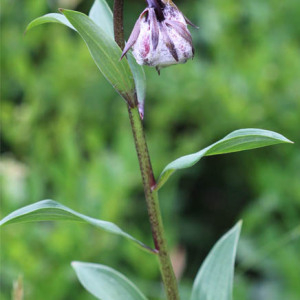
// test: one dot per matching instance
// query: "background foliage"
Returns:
(66, 136)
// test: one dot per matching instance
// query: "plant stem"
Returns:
(154, 213)
(118, 23)
(151, 196)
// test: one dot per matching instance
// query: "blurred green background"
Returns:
(65, 135)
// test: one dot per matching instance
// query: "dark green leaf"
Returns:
(215, 277)
(106, 283)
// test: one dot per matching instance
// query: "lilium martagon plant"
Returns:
(160, 38)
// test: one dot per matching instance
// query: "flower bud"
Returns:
(160, 37)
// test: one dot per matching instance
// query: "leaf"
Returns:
(50, 18)
(239, 140)
(102, 15)
(105, 52)
(215, 277)
(106, 283)
(47, 210)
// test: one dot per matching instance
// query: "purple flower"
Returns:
(160, 37)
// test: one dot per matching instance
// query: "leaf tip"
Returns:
(286, 140)
(123, 54)
(141, 110)
(239, 224)
(74, 264)
(28, 27)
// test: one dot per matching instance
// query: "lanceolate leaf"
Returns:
(106, 283)
(239, 140)
(47, 210)
(105, 52)
(102, 15)
(214, 280)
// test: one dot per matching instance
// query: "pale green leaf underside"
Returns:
(106, 283)
(102, 15)
(48, 210)
(239, 140)
(215, 277)
(140, 81)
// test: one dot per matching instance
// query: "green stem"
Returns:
(154, 213)
(151, 196)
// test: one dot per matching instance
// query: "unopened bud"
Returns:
(160, 37)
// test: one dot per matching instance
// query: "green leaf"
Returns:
(214, 280)
(239, 140)
(47, 210)
(106, 283)
(105, 52)
(50, 18)
(102, 15)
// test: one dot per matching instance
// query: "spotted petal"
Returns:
(168, 42)
(181, 30)
(154, 28)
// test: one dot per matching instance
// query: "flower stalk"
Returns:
(148, 179)
(154, 213)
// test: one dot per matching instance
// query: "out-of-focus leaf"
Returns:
(47, 210)
(102, 15)
(215, 277)
(106, 283)
(50, 18)
(239, 140)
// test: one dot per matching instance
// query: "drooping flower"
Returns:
(160, 36)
